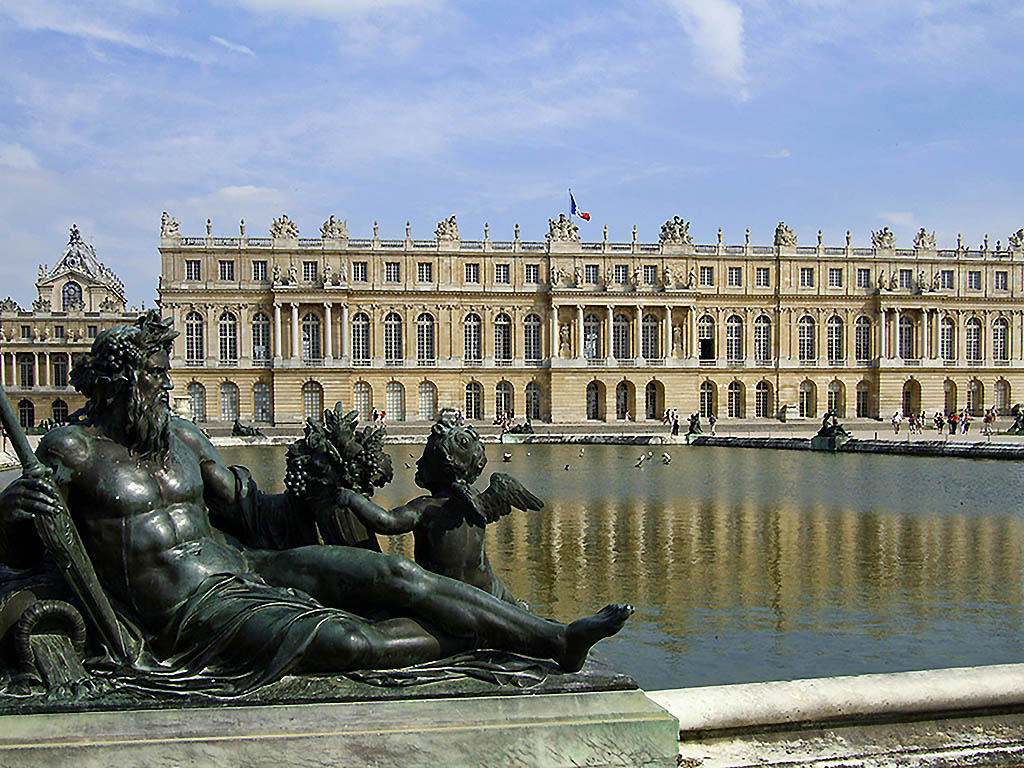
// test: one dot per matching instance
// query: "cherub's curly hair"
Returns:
(116, 356)
(452, 454)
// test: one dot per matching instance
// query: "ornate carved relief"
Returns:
(284, 228)
(9, 305)
(676, 231)
(562, 230)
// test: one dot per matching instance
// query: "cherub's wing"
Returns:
(504, 493)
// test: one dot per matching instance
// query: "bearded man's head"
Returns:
(109, 373)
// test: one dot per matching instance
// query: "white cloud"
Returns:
(781, 154)
(903, 219)
(17, 157)
(716, 29)
(237, 48)
(225, 206)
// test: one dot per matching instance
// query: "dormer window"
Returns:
(71, 296)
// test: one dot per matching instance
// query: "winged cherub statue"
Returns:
(448, 525)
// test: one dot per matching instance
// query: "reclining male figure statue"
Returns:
(152, 501)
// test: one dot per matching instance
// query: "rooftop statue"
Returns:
(193, 579)
(676, 231)
(562, 230)
(169, 226)
(1016, 240)
(284, 228)
(447, 229)
(883, 238)
(924, 241)
(334, 229)
(784, 236)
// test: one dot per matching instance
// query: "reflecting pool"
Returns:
(750, 565)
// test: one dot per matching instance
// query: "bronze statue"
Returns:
(217, 581)
(449, 523)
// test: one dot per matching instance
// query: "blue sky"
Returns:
(831, 114)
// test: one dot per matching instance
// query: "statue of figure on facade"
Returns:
(577, 274)
(276, 273)
(784, 236)
(74, 304)
(677, 340)
(881, 279)
(563, 340)
(332, 229)
(293, 275)
(9, 305)
(562, 230)
(691, 278)
(209, 227)
(936, 278)
(212, 585)
(894, 281)
(447, 229)
(883, 239)
(1016, 241)
(924, 241)
(675, 231)
(667, 276)
(635, 277)
(284, 228)
(328, 274)
(168, 226)
(448, 524)
(922, 283)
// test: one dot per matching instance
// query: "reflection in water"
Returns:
(759, 565)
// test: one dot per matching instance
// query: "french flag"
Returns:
(574, 209)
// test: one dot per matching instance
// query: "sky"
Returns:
(827, 114)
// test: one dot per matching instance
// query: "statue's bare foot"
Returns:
(583, 633)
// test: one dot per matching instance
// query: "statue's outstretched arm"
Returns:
(401, 519)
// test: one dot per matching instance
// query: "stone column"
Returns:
(883, 347)
(277, 330)
(35, 370)
(692, 310)
(666, 352)
(345, 339)
(638, 332)
(926, 319)
(608, 337)
(896, 335)
(295, 330)
(3, 369)
(553, 333)
(328, 332)
(579, 332)
(45, 369)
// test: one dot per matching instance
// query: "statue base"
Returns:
(828, 442)
(594, 718)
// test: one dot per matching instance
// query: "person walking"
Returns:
(897, 419)
(712, 420)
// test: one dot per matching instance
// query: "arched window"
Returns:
(59, 411)
(763, 400)
(864, 409)
(650, 337)
(60, 369)
(260, 339)
(805, 340)
(362, 400)
(261, 410)
(360, 340)
(706, 337)
(620, 338)
(311, 350)
(593, 401)
(763, 340)
(503, 340)
(837, 398)
(227, 334)
(426, 354)
(313, 401)
(474, 400)
(592, 338)
(532, 339)
(1002, 397)
(427, 401)
(734, 339)
(194, 339)
(533, 401)
(834, 340)
(949, 396)
(228, 401)
(1001, 341)
(27, 370)
(196, 401)
(975, 397)
(472, 348)
(71, 296)
(707, 399)
(503, 399)
(394, 401)
(808, 399)
(652, 405)
(734, 395)
(972, 341)
(862, 339)
(947, 340)
(622, 401)
(906, 349)
(393, 354)
(26, 414)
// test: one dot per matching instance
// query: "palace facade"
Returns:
(275, 328)
(76, 299)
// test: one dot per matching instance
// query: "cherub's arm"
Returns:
(402, 519)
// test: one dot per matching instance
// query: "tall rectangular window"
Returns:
(946, 279)
(1002, 280)
(974, 280)
(424, 272)
(501, 274)
(762, 277)
(259, 271)
(533, 274)
(591, 274)
(193, 270)
(359, 272)
(392, 271)
(835, 277)
(473, 273)
(92, 331)
(309, 271)
(227, 269)
(58, 331)
(906, 278)
(806, 277)
(60, 371)
(621, 273)
(734, 277)
(26, 331)
(707, 275)
(650, 274)
(863, 277)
